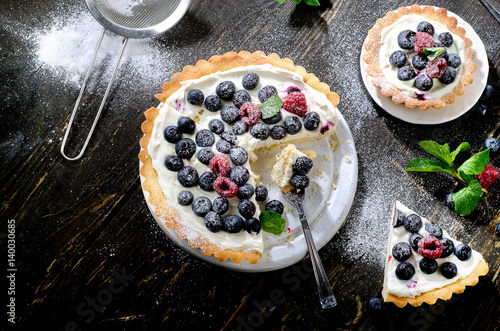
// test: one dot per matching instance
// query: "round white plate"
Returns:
(449, 112)
(333, 184)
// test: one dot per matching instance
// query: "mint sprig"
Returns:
(433, 52)
(307, 2)
(468, 197)
(271, 106)
(271, 221)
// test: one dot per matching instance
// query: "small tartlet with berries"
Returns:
(419, 56)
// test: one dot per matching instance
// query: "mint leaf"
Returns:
(282, 1)
(467, 198)
(476, 164)
(312, 2)
(433, 52)
(440, 152)
(272, 222)
(271, 106)
(426, 165)
(463, 147)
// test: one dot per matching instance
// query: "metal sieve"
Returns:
(130, 19)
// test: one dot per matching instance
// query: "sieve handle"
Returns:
(125, 41)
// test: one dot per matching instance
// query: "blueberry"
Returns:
(273, 119)
(488, 92)
(260, 131)
(230, 114)
(493, 144)
(223, 146)
(238, 155)
(250, 81)
(172, 134)
(186, 125)
(481, 109)
(413, 223)
(266, 92)
(261, 193)
(206, 181)
(185, 148)
(212, 103)
(398, 59)
(278, 132)
(425, 27)
(233, 224)
(246, 208)
(245, 191)
(406, 39)
(239, 175)
(185, 198)
(448, 247)
(174, 163)
(253, 226)
(311, 121)
(498, 228)
(399, 219)
(428, 266)
(213, 221)
(375, 303)
(446, 39)
(299, 182)
(201, 206)
(419, 61)
(293, 125)
(401, 251)
(448, 201)
(292, 89)
(239, 127)
(414, 239)
(406, 73)
(225, 90)
(302, 165)
(187, 176)
(434, 230)
(463, 252)
(195, 97)
(220, 205)
(205, 155)
(448, 76)
(240, 97)
(204, 138)
(216, 126)
(423, 82)
(276, 206)
(229, 136)
(454, 60)
(405, 271)
(444, 55)
(449, 270)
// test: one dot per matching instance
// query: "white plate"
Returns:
(339, 170)
(449, 112)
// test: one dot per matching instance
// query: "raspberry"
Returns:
(220, 165)
(295, 103)
(430, 247)
(436, 68)
(423, 40)
(488, 176)
(225, 187)
(250, 113)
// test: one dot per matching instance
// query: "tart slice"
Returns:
(291, 163)
(424, 263)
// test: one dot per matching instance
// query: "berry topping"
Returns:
(401, 251)
(423, 40)
(327, 127)
(246, 208)
(206, 181)
(488, 176)
(299, 181)
(225, 90)
(204, 138)
(448, 76)
(229, 136)
(230, 114)
(425, 27)
(240, 97)
(375, 303)
(223, 146)
(225, 187)
(187, 176)
(498, 228)
(405, 271)
(250, 81)
(292, 89)
(186, 125)
(493, 144)
(245, 191)
(220, 205)
(273, 119)
(406, 39)
(220, 165)
(436, 68)
(185, 198)
(174, 163)
(239, 175)
(481, 109)
(487, 93)
(212, 103)
(311, 121)
(261, 193)
(406, 73)
(398, 59)
(276, 206)
(278, 132)
(250, 113)
(446, 39)
(413, 223)
(463, 252)
(449, 270)
(238, 155)
(448, 247)
(428, 266)
(253, 226)
(434, 230)
(293, 125)
(414, 239)
(216, 126)
(423, 82)
(454, 60)
(205, 155)
(260, 131)
(266, 92)
(399, 219)
(430, 247)
(419, 61)
(213, 221)
(444, 55)
(302, 165)
(295, 103)
(185, 148)
(201, 206)
(172, 134)
(239, 128)
(195, 97)
(233, 224)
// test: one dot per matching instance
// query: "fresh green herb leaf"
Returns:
(467, 198)
(271, 106)
(476, 164)
(433, 52)
(271, 221)
(282, 1)
(463, 147)
(312, 2)
(440, 152)
(426, 165)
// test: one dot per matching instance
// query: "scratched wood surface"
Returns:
(90, 256)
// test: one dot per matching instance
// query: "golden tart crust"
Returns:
(371, 57)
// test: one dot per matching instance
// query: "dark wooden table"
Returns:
(89, 255)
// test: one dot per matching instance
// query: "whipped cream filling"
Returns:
(421, 282)
(389, 44)
(282, 181)
(176, 106)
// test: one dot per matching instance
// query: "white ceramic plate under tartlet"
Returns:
(449, 112)
(328, 200)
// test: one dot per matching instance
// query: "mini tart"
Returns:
(165, 208)
(435, 285)
(372, 47)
